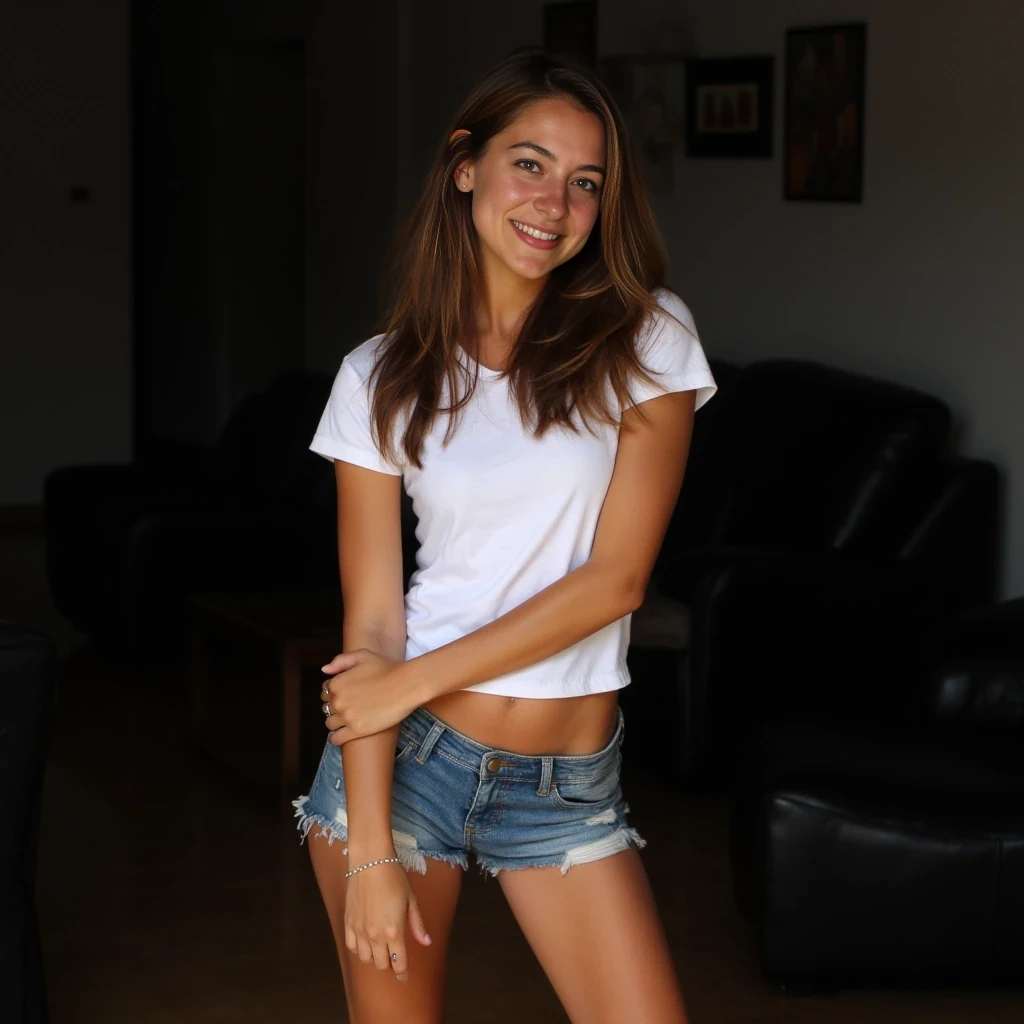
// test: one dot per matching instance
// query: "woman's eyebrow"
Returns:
(551, 156)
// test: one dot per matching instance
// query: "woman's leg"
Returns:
(597, 934)
(377, 997)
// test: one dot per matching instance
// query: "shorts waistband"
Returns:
(435, 735)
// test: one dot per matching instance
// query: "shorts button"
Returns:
(494, 764)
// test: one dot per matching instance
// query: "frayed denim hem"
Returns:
(616, 842)
(407, 849)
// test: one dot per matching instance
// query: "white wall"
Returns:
(918, 284)
(65, 298)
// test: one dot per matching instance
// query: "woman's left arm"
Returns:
(649, 464)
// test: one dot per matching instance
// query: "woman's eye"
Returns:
(532, 166)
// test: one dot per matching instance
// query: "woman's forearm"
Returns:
(369, 762)
(570, 609)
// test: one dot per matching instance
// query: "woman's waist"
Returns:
(566, 726)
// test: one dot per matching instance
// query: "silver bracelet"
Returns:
(363, 867)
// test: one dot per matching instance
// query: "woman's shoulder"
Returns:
(361, 359)
(673, 314)
(668, 347)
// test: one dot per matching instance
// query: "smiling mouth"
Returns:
(543, 236)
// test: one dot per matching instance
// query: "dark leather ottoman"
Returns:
(859, 886)
(885, 842)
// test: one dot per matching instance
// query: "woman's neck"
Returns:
(504, 303)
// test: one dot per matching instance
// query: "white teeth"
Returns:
(534, 233)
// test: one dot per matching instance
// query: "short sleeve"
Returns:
(344, 429)
(671, 351)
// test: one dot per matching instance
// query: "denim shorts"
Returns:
(452, 795)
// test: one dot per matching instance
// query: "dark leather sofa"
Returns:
(813, 499)
(878, 828)
(126, 544)
(27, 689)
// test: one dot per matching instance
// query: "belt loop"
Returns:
(547, 763)
(429, 740)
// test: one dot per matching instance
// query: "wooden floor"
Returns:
(171, 893)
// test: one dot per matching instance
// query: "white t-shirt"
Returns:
(502, 515)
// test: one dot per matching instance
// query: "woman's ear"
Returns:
(464, 172)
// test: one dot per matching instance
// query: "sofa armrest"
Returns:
(167, 558)
(223, 549)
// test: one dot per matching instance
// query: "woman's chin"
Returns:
(531, 269)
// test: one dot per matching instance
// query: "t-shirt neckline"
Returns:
(486, 373)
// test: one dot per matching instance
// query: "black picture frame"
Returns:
(730, 107)
(824, 113)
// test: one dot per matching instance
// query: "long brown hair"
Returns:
(579, 336)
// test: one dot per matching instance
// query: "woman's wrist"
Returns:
(418, 685)
(367, 848)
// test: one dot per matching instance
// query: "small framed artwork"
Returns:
(729, 107)
(824, 113)
(649, 91)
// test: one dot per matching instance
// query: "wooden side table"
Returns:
(297, 629)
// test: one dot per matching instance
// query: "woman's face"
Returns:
(537, 188)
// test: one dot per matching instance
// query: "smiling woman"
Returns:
(549, 202)
(533, 388)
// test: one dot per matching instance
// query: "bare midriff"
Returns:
(527, 725)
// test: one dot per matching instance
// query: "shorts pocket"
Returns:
(405, 747)
(591, 793)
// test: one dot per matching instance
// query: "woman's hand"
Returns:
(378, 903)
(364, 696)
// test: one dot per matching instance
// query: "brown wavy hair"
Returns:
(580, 334)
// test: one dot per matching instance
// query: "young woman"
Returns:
(534, 388)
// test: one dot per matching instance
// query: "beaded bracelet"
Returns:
(363, 867)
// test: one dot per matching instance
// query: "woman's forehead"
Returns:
(560, 126)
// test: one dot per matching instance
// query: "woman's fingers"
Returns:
(340, 662)
(399, 959)
(416, 925)
(381, 956)
(365, 950)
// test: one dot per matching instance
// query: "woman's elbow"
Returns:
(631, 593)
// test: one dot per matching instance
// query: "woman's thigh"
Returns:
(598, 937)
(374, 996)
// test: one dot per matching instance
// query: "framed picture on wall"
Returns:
(729, 107)
(824, 113)
(649, 91)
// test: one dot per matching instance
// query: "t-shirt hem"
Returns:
(704, 386)
(331, 448)
(543, 689)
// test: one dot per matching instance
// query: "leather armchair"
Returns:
(818, 498)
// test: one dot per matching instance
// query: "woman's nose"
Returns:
(552, 202)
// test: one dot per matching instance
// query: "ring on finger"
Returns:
(326, 709)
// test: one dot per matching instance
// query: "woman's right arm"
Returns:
(370, 557)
